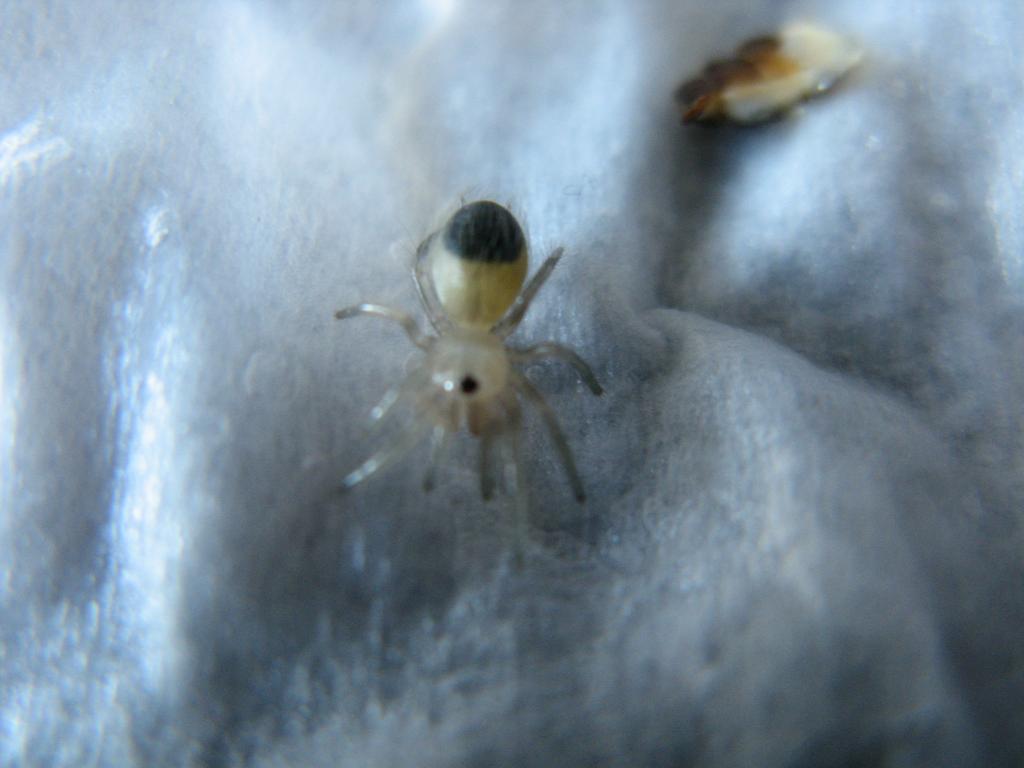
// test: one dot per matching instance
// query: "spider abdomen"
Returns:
(478, 262)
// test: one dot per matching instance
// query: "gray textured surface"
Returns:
(803, 544)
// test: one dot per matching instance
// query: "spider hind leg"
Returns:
(440, 439)
(530, 392)
(512, 468)
(486, 470)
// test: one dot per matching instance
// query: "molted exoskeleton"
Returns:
(470, 277)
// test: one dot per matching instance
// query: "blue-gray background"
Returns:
(803, 543)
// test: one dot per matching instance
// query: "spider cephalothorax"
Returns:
(470, 277)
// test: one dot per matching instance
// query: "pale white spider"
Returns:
(468, 275)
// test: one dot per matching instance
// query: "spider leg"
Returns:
(425, 287)
(396, 449)
(412, 330)
(550, 349)
(383, 408)
(486, 473)
(380, 411)
(514, 316)
(513, 470)
(523, 385)
(439, 441)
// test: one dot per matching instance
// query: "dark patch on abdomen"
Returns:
(484, 231)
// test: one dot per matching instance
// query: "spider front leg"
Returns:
(404, 442)
(412, 384)
(425, 287)
(409, 437)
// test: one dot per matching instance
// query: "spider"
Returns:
(468, 275)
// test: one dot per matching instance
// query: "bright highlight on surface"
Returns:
(24, 150)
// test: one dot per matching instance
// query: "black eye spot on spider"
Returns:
(484, 231)
(469, 385)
